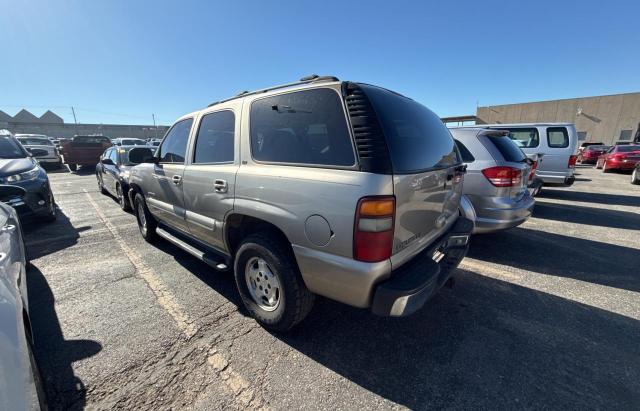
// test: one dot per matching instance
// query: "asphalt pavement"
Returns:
(546, 315)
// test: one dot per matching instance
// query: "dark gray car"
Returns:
(495, 187)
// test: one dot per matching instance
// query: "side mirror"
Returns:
(107, 161)
(138, 155)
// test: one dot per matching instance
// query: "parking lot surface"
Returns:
(546, 315)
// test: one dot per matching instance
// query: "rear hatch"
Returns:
(426, 167)
(512, 165)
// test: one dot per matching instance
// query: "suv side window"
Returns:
(174, 146)
(305, 127)
(215, 139)
(557, 137)
(525, 137)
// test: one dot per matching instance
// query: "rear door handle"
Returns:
(177, 179)
(220, 186)
(9, 228)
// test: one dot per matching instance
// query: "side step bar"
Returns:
(213, 261)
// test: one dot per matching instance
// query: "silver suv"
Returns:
(326, 187)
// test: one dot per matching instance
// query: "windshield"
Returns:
(626, 149)
(418, 140)
(9, 148)
(124, 155)
(133, 142)
(35, 141)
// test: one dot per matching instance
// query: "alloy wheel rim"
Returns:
(263, 285)
(142, 218)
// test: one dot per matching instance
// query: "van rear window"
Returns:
(416, 137)
(509, 150)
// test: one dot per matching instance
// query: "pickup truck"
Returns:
(84, 150)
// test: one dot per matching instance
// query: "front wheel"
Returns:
(122, 198)
(270, 284)
(604, 168)
(146, 223)
(635, 176)
(101, 184)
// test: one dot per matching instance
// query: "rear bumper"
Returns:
(501, 215)
(563, 178)
(621, 165)
(416, 281)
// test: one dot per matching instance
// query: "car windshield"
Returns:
(35, 141)
(601, 147)
(133, 142)
(626, 149)
(9, 148)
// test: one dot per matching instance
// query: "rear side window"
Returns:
(557, 137)
(466, 155)
(214, 143)
(416, 137)
(305, 127)
(509, 149)
(174, 145)
(525, 137)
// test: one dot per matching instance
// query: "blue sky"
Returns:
(119, 61)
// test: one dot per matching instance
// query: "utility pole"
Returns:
(154, 124)
(74, 119)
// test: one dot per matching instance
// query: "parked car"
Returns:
(48, 154)
(591, 153)
(129, 142)
(495, 186)
(154, 142)
(19, 168)
(621, 157)
(113, 170)
(586, 144)
(557, 141)
(20, 382)
(357, 205)
(84, 150)
(635, 174)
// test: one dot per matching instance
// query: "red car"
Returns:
(623, 157)
(590, 154)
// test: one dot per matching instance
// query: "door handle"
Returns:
(220, 186)
(9, 228)
(177, 179)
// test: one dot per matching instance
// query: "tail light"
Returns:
(503, 176)
(373, 230)
(534, 167)
(572, 161)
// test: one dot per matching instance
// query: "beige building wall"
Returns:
(602, 118)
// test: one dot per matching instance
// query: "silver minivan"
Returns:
(495, 194)
(556, 141)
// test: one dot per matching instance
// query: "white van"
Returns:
(556, 141)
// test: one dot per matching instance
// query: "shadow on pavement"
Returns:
(54, 354)
(563, 256)
(486, 344)
(587, 215)
(46, 238)
(599, 198)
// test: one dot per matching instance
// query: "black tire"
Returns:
(51, 217)
(73, 167)
(604, 168)
(147, 230)
(37, 376)
(101, 184)
(122, 198)
(295, 299)
(635, 176)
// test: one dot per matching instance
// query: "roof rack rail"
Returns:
(308, 79)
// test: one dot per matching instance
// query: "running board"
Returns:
(196, 252)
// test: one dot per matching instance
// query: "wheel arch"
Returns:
(239, 226)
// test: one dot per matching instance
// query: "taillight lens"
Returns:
(572, 160)
(503, 176)
(534, 167)
(373, 230)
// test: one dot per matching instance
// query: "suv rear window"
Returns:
(305, 127)
(557, 137)
(509, 149)
(416, 137)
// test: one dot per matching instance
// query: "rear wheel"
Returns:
(73, 167)
(604, 168)
(270, 284)
(146, 223)
(635, 176)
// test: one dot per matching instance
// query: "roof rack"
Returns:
(314, 78)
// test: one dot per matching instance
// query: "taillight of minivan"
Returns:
(373, 230)
(572, 161)
(502, 176)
